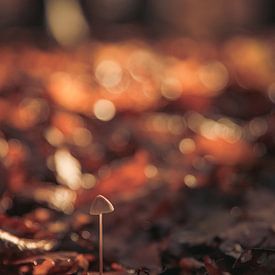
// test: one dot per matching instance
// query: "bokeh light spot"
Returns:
(190, 181)
(187, 145)
(104, 110)
(108, 73)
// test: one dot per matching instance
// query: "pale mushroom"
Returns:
(101, 205)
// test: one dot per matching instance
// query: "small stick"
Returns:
(101, 205)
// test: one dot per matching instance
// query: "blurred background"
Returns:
(165, 107)
(71, 21)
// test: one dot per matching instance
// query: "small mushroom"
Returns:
(101, 205)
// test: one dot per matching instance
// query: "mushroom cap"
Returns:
(101, 205)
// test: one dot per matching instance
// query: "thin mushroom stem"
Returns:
(100, 245)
